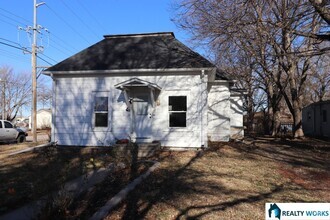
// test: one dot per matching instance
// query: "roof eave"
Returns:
(86, 72)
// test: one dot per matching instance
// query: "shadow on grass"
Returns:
(181, 182)
(165, 188)
(311, 154)
(29, 176)
(171, 185)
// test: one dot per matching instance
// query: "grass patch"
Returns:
(231, 181)
(27, 177)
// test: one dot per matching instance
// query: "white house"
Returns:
(44, 119)
(316, 119)
(144, 86)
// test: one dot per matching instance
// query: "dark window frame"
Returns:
(324, 115)
(8, 124)
(177, 111)
(101, 111)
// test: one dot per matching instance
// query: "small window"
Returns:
(177, 107)
(101, 111)
(141, 105)
(309, 115)
(324, 115)
(0, 124)
(8, 125)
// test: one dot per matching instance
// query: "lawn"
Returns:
(232, 181)
(28, 176)
(226, 181)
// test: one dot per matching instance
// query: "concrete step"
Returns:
(143, 149)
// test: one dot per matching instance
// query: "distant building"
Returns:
(316, 119)
(44, 119)
(260, 123)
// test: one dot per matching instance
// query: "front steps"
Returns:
(139, 150)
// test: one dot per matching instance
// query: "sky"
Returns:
(69, 26)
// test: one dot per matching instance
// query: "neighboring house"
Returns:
(21, 122)
(316, 119)
(149, 87)
(44, 119)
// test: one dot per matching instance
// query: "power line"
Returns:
(71, 51)
(10, 41)
(12, 19)
(16, 15)
(49, 58)
(60, 50)
(65, 22)
(11, 24)
(19, 48)
(13, 56)
(78, 17)
(44, 60)
(25, 50)
(91, 15)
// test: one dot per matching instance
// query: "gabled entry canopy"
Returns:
(135, 82)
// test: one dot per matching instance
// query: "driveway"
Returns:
(40, 137)
(9, 148)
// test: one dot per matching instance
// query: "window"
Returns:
(8, 125)
(177, 107)
(309, 115)
(324, 115)
(141, 105)
(101, 111)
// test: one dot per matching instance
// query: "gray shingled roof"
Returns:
(136, 51)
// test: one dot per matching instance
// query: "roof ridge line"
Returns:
(152, 34)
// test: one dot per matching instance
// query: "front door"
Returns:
(141, 111)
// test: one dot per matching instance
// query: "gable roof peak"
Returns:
(140, 35)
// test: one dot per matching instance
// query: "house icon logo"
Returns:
(274, 211)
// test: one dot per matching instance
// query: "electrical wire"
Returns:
(16, 15)
(60, 50)
(91, 15)
(13, 56)
(78, 17)
(25, 50)
(10, 41)
(12, 19)
(65, 22)
(48, 57)
(11, 24)
(63, 42)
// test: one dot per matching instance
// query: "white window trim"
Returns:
(102, 94)
(168, 113)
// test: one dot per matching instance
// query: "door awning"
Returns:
(135, 82)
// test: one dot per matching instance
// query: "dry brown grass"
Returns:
(28, 176)
(232, 181)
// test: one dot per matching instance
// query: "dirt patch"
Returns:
(307, 178)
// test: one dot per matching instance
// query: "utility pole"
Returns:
(3, 99)
(34, 70)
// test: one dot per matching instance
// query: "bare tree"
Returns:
(264, 31)
(44, 95)
(322, 8)
(17, 91)
(318, 87)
